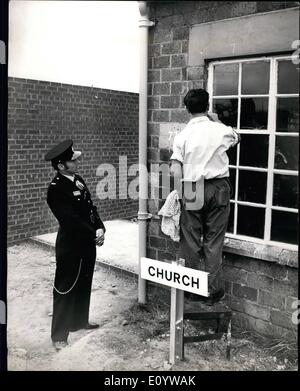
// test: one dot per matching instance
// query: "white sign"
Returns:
(175, 276)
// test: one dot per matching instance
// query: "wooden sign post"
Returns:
(176, 321)
(180, 279)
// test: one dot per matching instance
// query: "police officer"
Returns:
(80, 230)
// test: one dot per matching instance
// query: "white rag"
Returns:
(170, 213)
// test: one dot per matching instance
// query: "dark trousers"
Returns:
(210, 222)
(71, 305)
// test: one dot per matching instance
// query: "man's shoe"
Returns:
(192, 297)
(88, 326)
(215, 297)
(91, 326)
(58, 345)
(218, 294)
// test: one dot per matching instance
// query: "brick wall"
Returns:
(259, 292)
(102, 123)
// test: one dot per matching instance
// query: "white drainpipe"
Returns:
(143, 215)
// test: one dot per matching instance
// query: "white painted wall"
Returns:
(75, 42)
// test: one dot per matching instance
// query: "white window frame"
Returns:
(270, 131)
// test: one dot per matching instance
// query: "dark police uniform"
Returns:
(71, 204)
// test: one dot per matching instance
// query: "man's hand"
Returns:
(99, 237)
(239, 137)
(213, 117)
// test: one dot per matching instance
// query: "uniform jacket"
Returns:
(77, 216)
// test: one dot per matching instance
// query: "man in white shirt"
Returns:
(199, 158)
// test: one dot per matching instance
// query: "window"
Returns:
(259, 97)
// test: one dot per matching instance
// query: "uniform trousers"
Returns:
(72, 292)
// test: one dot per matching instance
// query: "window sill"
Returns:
(265, 252)
(262, 251)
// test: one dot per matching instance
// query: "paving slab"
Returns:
(120, 248)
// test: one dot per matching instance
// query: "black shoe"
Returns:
(192, 297)
(215, 297)
(88, 326)
(91, 326)
(59, 345)
(218, 294)
(73, 330)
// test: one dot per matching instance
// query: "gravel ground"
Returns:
(130, 337)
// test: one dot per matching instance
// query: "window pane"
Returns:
(252, 186)
(232, 153)
(284, 227)
(285, 191)
(288, 78)
(287, 153)
(255, 77)
(254, 113)
(251, 221)
(226, 79)
(254, 150)
(232, 174)
(287, 115)
(226, 110)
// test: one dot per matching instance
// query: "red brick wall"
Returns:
(102, 123)
(259, 292)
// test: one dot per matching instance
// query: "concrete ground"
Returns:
(120, 248)
(130, 337)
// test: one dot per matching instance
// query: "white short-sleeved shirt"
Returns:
(201, 147)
